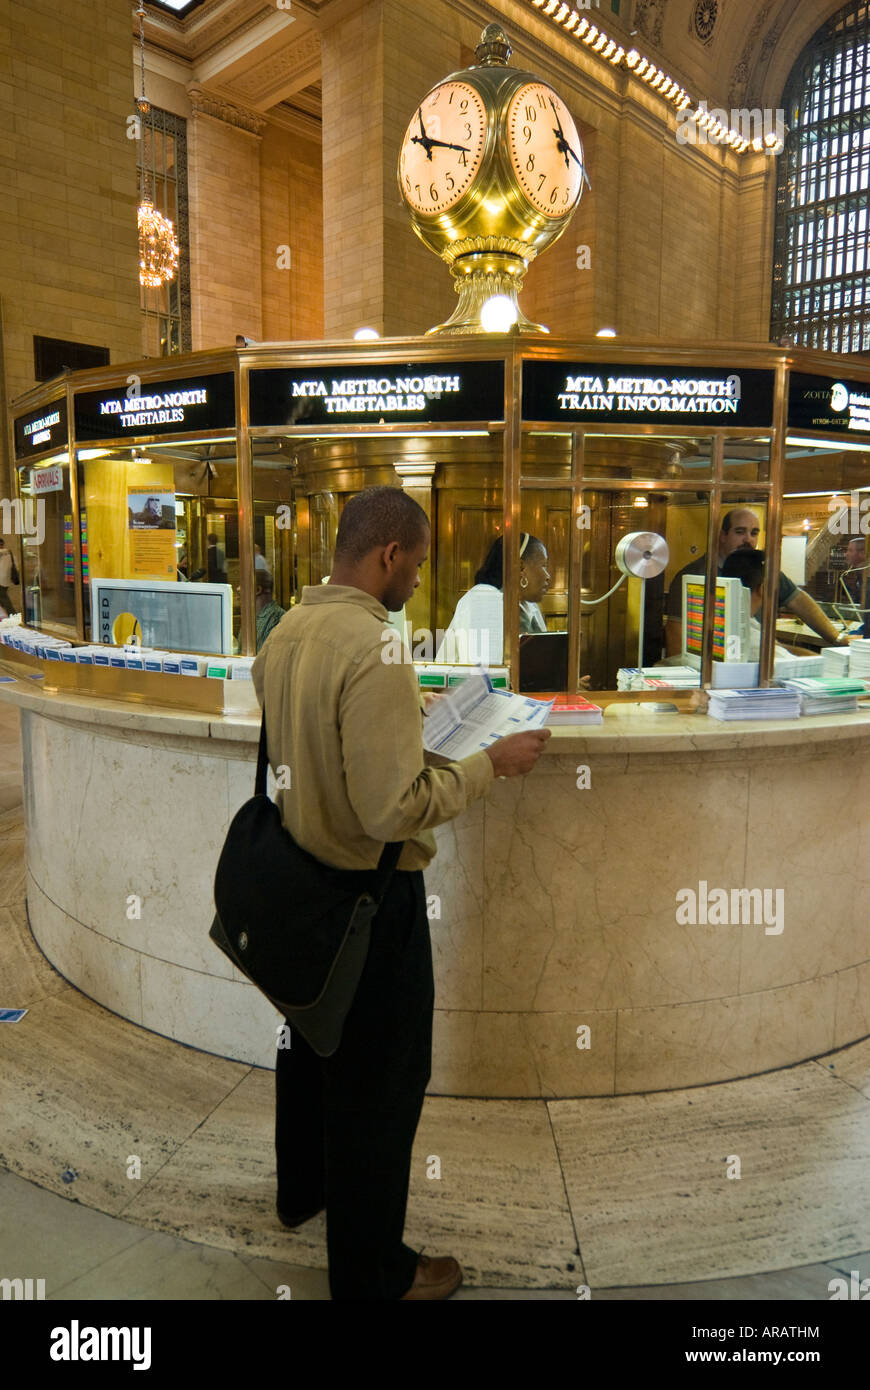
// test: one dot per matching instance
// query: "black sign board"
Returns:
(179, 406)
(41, 430)
(828, 403)
(371, 393)
(615, 394)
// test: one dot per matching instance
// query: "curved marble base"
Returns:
(553, 906)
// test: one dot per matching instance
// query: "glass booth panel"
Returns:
(156, 516)
(825, 520)
(635, 620)
(276, 572)
(657, 622)
(746, 460)
(455, 476)
(545, 557)
(647, 458)
(47, 552)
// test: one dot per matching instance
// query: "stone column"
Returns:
(378, 61)
(224, 192)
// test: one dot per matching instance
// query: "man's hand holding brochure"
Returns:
(475, 717)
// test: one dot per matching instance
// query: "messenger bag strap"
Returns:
(386, 864)
(262, 759)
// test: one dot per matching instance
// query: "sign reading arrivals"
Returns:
(828, 403)
(41, 430)
(372, 393)
(613, 393)
(157, 407)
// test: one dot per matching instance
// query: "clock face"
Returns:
(443, 147)
(545, 149)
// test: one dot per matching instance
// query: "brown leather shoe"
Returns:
(434, 1278)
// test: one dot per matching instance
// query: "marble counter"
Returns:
(565, 964)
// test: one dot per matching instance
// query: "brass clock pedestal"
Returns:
(491, 171)
(479, 277)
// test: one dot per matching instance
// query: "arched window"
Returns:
(821, 275)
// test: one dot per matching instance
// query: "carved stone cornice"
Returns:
(208, 103)
(293, 67)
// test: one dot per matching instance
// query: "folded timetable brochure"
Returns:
(830, 695)
(475, 715)
(767, 703)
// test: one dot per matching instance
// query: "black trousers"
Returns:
(345, 1124)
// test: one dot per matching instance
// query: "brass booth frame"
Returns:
(512, 352)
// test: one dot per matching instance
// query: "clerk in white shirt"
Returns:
(476, 629)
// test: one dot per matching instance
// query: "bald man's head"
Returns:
(740, 531)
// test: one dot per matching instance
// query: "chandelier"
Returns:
(158, 248)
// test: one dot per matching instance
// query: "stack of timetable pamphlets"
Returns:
(475, 714)
(573, 709)
(859, 659)
(754, 704)
(828, 696)
(799, 667)
(657, 678)
(835, 661)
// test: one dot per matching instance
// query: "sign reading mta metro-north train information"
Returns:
(176, 406)
(613, 393)
(374, 392)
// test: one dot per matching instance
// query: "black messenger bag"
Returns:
(297, 929)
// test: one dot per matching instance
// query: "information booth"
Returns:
(171, 500)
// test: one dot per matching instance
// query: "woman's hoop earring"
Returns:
(524, 583)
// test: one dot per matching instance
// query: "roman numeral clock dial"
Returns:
(443, 147)
(545, 149)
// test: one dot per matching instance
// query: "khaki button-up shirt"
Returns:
(348, 726)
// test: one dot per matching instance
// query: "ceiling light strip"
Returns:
(572, 22)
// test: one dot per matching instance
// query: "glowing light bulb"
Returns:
(498, 314)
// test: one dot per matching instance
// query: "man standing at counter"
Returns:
(348, 724)
(740, 531)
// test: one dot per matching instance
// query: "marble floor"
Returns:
(629, 1196)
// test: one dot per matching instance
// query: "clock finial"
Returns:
(494, 48)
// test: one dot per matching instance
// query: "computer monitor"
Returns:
(730, 619)
(544, 661)
(169, 616)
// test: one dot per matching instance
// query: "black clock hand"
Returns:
(580, 165)
(425, 141)
(560, 132)
(446, 145)
(565, 149)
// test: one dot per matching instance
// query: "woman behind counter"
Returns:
(476, 629)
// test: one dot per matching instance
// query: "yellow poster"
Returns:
(151, 521)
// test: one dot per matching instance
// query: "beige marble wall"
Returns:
(552, 908)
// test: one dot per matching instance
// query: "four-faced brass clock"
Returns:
(491, 170)
(443, 147)
(545, 150)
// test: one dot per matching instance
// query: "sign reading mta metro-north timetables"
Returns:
(374, 392)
